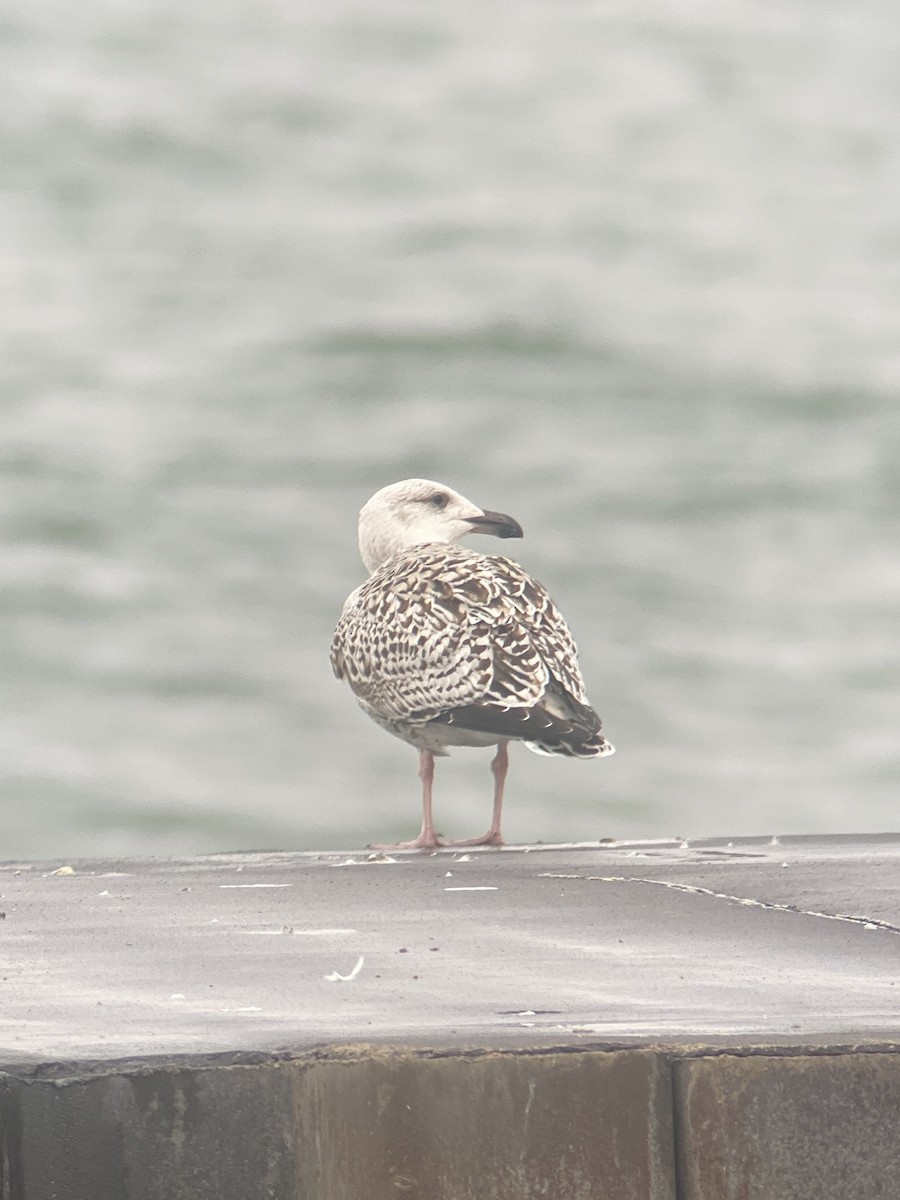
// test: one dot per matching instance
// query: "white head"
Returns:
(420, 510)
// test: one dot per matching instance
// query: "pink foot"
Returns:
(489, 839)
(419, 843)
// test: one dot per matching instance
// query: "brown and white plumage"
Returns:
(444, 646)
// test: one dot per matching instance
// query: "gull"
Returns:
(444, 646)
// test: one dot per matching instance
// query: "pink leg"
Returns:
(427, 839)
(499, 765)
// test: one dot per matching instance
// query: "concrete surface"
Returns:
(636, 1021)
(610, 945)
(371, 1127)
(825, 1127)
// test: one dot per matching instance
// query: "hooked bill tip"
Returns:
(497, 525)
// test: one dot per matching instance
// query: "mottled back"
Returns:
(439, 627)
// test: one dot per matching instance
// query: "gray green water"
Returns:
(630, 274)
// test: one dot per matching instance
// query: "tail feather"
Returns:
(595, 747)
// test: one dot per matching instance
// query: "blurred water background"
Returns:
(630, 272)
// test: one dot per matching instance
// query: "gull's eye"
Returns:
(438, 500)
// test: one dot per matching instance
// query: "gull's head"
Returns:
(419, 510)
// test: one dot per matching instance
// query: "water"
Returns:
(630, 274)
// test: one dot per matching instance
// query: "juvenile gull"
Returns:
(444, 646)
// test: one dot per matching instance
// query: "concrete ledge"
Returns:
(761, 1128)
(499, 1127)
(194, 1133)
(708, 1022)
(371, 1124)
(377, 1124)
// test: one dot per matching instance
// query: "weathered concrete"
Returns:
(500, 1127)
(543, 948)
(195, 1133)
(716, 1020)
(763, 1128)
(364, 1126)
